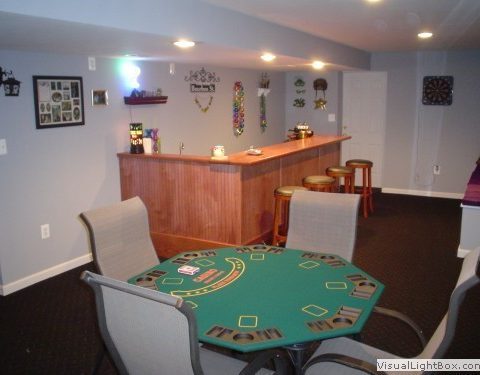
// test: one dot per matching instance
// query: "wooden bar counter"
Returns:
(195, 202)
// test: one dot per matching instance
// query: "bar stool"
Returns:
(282, 197)
(347, 173)
(366, 189)
(319, 183)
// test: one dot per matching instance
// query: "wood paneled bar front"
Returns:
(196, 202)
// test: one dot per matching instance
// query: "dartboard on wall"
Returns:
(437, 90)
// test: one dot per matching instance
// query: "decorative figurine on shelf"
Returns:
(136, 138)
(135, 94)
(320, 84)
(155, 141)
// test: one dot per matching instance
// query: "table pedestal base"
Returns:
(297, 355)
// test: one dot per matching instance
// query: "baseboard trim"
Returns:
(423, 193)
(45, 274)
(462, 253)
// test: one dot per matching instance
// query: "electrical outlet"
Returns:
(436, 169)
(45, 231)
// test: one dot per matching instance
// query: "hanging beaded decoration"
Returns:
(238, 108)
(263, 92)
(263, 112)
(203, 109)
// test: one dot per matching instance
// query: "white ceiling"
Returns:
(388, 25)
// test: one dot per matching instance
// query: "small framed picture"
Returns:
(58, 101)
(99, 97)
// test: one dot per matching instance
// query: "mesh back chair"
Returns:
(323, 222)
(345, 356)
(149, 332)
(120, 239)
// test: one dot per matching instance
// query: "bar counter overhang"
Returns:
(196, 202)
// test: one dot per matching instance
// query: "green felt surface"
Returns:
(250, 289)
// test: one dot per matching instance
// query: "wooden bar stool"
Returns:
(319, 183)
(366, 189)
(347, 173)
(282, 197)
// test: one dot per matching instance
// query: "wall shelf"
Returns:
(145, 100)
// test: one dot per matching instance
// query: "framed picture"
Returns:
(58, 101)
(99, 97)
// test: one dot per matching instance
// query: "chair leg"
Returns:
(370, 192)
(365, 198)
(276, 222)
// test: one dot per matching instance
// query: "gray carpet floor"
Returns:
(409, 244)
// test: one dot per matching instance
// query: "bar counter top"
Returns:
(242, 158)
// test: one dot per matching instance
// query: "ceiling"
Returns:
(387, 25)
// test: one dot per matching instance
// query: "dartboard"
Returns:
(437, 90)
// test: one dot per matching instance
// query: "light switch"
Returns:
(331, 117)
(3, 146)
(91, 63)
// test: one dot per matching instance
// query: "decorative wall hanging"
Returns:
(58, 101)
(263, 111)
(320, 84)
(238, 108)
(99, 97)
(263, 91)
(194, 87)
(11, 86)
(299, 90)
(299, 102)
(203, 108)
(204, 81)
(437, 90)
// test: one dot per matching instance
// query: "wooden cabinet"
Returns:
(195, 202)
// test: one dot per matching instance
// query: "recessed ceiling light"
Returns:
(373, 1)
(317, 64)
(268, 57)
(425, 35)
(183, 43)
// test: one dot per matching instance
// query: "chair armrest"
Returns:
(281, 364)
(405, 319)
(344, 360)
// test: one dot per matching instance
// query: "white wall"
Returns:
(420, 136)
(51, 175)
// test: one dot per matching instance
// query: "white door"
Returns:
(364, 110)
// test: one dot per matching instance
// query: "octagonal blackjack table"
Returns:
(258, 297)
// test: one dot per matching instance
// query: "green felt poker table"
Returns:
(257, 297)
